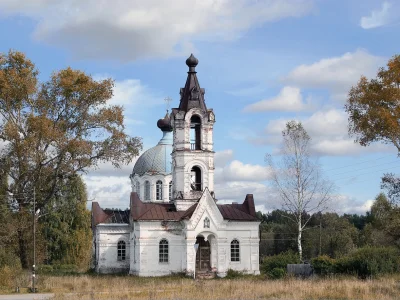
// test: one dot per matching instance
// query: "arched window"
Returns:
(195, 133)
(235, 250)
(147, 190)
(170, 190)
(195, 178)
(138, 188)
(206, 223)
(121, 251)
(163, 251)
(159, 188)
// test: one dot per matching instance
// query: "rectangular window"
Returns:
(163, 251)
(235, 251)
(121, 251)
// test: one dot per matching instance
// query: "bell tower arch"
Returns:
(192, 152)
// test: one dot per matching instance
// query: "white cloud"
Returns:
(288, 99)
(221, 158)
(238, 171)
(236, 191)
(337, 74)
(135, 97)
(380, 17)
(347, 205)
(109, 191)
(328, 131)
(128, 30)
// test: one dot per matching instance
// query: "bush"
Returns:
(277, 273)
(233, 274)
(278, 261)
(10, 270)
(323, 265)
(369, 261)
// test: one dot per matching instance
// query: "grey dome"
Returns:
(156, 160)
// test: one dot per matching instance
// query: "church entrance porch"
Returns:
(203, 255)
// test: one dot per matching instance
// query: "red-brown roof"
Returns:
(108, 216)
(153, 211)
(167, 212)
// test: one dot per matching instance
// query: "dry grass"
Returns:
(130, 287)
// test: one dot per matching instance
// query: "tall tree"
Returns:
(66, 226)
(298, 180)
(54, 130)
(374, 108)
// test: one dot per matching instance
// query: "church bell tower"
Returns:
(192, 154)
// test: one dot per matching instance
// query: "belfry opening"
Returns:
(195, 136)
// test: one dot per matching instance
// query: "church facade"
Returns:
(174, 223)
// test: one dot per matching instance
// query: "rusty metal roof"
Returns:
(108, 216)
(141, 211)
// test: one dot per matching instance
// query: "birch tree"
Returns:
(298, 179)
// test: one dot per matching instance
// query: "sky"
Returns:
(261, 62)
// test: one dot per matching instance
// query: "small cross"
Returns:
(167, 102)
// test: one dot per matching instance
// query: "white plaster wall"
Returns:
(153, 180)
(220, 237)
(107, 237)
(147, 236)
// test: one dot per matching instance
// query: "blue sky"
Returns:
(262, 63)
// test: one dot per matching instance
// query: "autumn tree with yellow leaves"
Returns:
(50, 131)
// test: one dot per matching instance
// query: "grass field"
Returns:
(130, 287)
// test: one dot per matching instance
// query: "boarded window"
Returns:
(235, 250)
(138, 188)
(147, 190)
(121, 251)
(163, 251)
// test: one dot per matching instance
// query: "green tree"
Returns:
(66, 226)
(54, 130)
(384, 229)
(298, 180)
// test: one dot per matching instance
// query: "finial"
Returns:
(192, 62)
(167, 100)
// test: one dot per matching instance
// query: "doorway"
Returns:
(203, 255)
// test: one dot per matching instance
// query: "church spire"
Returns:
(192, 96)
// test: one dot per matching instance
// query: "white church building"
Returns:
(174, 223)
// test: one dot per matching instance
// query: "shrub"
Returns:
(279, 261)
(370, 261)
(323, 265)
(233, 274)
(277, 273)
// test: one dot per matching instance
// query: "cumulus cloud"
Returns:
(348, 205)
(129, 30)
(288, 99)
(380, 17)
(136, 99)
(337, 74)
(328, 131)
(238, 171)
(236, 191)
(221, 158)
(109, 191)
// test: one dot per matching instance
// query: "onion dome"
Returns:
(192, 62)
(165, 123)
